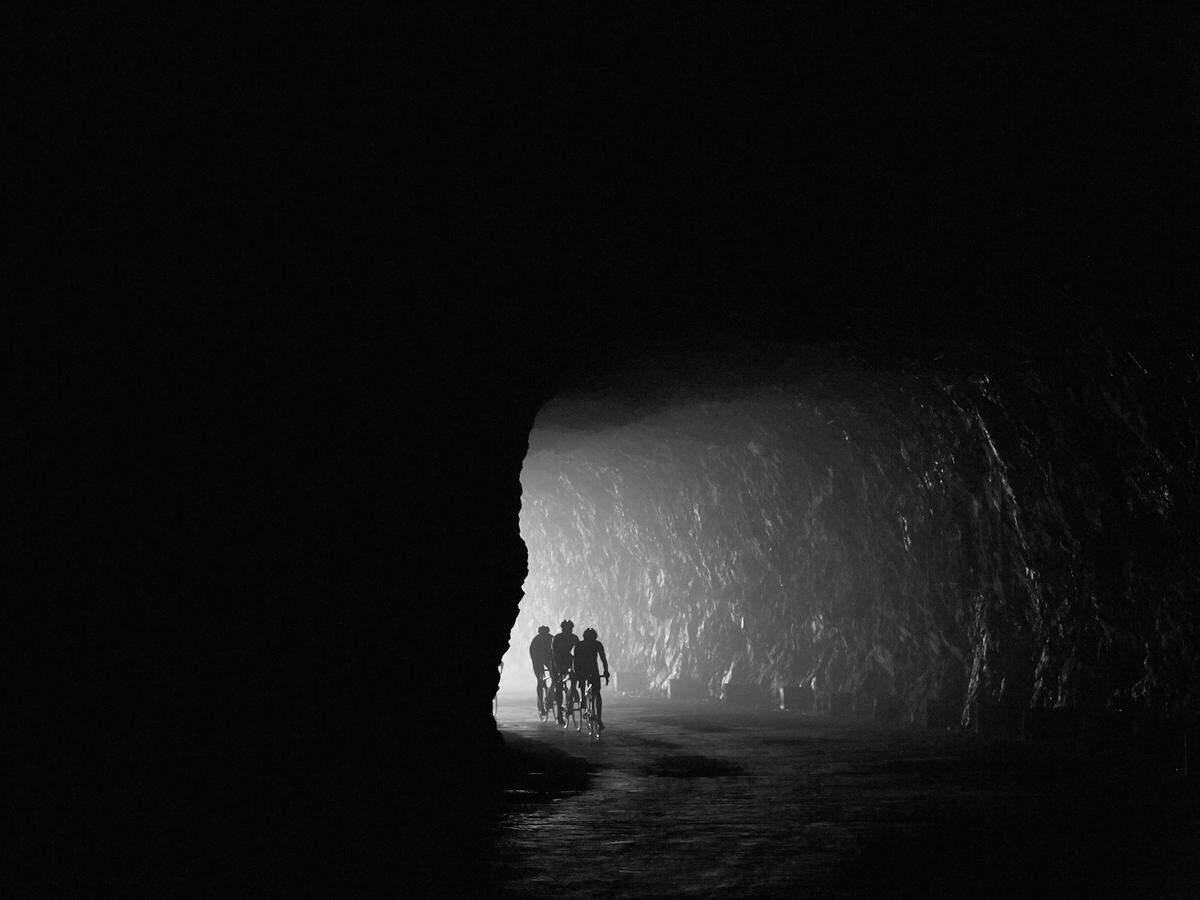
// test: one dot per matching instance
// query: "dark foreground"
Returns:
(700, 799)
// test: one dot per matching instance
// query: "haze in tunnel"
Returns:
(918, 543)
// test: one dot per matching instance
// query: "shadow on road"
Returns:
(703, 800)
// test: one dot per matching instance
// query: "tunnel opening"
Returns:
(926, 545)
(733, 546)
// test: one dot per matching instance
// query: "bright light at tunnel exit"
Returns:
(559, 585)
(516, 672)
(661, 534)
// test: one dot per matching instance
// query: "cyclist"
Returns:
(588, 672)
(564, 642)
(539, 654)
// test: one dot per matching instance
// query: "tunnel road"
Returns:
(700, 799)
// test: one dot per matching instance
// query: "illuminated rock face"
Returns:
(958, 548)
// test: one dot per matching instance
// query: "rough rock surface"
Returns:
(971, 538)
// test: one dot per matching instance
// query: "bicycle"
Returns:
(590, 715)
(567, 700)
(547, 697)
(554, 696)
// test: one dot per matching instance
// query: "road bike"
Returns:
(591, 713)
(569, 707)
(554, 695)
(546, 686)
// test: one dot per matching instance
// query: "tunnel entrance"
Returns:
(668, 530)
(917, 544)
(732, 547)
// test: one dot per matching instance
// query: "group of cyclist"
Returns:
(568, 659)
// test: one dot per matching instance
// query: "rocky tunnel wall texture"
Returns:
(965, 544)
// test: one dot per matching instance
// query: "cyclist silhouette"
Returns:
(564, 642)
(587, 671)
(540, 656)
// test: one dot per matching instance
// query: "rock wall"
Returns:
(973, 538)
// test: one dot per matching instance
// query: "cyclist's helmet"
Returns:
(589, 634)
(545, 629)
(566, 624)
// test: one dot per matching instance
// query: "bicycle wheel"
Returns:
(593, 719)
(554, 703)
(572, 717)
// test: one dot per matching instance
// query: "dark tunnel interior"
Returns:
(790, 348)
(944, 544)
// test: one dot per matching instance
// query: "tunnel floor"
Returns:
(704, 800)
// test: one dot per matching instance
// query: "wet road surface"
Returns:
(698, 799)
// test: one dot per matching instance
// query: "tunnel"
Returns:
(945, 546)
(318, 406)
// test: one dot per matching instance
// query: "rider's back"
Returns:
(540, 649)
(562, 646)
(586, 652)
